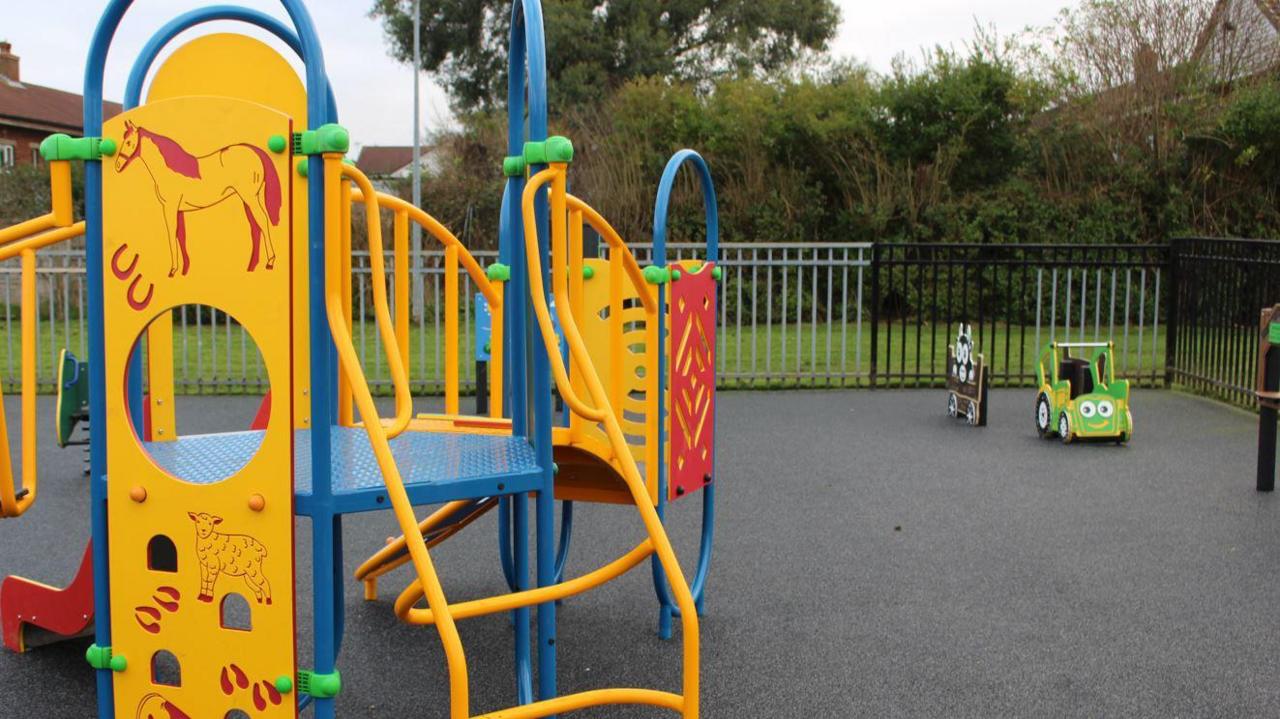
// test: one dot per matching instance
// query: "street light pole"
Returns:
(417, 162)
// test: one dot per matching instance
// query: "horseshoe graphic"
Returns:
(139, 305)
(115, 263)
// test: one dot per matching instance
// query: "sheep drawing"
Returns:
(235, 555)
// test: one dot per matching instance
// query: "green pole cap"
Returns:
(319, 686)
(553, 149)
(656, 275)
(102, 658)
(284, 684)
(277, 143)
(331, 137)
(513, 166)
(559, 149)
(588, 272)
(498, 272)
(60, 146)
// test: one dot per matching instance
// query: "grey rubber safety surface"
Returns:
(873, 558)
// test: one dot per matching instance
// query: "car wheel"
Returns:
(1043, 413)
(951, 405)
(1064, 428)
(971, 415)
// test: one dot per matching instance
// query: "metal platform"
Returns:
(436, 466)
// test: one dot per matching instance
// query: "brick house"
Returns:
(29, 113)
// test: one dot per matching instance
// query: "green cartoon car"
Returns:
(1081, 398)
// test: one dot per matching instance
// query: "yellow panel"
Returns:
(201, 159)
(231, 65)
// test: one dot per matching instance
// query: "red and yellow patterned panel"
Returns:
(196, 211)
(692, 399)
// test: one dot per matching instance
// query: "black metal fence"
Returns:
(831, 314)
(1017, 298)
(1219, 288)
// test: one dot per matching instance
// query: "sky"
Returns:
(375, 93)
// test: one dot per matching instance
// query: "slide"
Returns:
(53, 613)
(444, 523)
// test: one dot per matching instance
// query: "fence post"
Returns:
(1171, 321)
(875, 309)
(1267, 424)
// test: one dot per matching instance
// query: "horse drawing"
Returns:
(186, 183)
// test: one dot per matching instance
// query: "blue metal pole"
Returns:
(667, 608)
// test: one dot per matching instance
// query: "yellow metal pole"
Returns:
(160, 378)
(403, 313)
(451, 309)
(496, 326)
(60, 192)
(346, 413)
(30, 306)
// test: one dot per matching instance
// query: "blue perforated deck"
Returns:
(436, 466)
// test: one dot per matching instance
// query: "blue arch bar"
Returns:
(165, 35)
(661, 210)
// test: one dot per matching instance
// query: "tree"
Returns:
(595, 46)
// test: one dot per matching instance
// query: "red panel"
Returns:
(693, 381)
(264, 413)
(65, 612)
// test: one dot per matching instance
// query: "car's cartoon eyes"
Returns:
(1088, 409)
(1106, 409)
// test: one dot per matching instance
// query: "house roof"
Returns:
(44, 108)
(377, 160)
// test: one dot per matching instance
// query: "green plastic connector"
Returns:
(61, 146)
(102, 658)
(303, 167)
(498, 272)
(488, 348)
(554, 149)
(513, 166)
(588, 272)
(656, 275)
(277, 143)
(284, 684)
(326, 138)
(1275, 333)
(319, 686)
(676, 275)
(555, 468)
(716, 273)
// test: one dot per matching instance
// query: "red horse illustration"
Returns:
(186, 183)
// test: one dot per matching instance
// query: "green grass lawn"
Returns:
(775, 357)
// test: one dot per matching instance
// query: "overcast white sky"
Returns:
(375, 93)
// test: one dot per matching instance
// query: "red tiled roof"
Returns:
(44, 107)
(384, 159)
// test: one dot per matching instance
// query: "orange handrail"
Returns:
(382, 313)
(556, 175)
(455, 254)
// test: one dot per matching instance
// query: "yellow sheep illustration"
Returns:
(235, 555)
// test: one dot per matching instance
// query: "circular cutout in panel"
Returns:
(202, 400)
